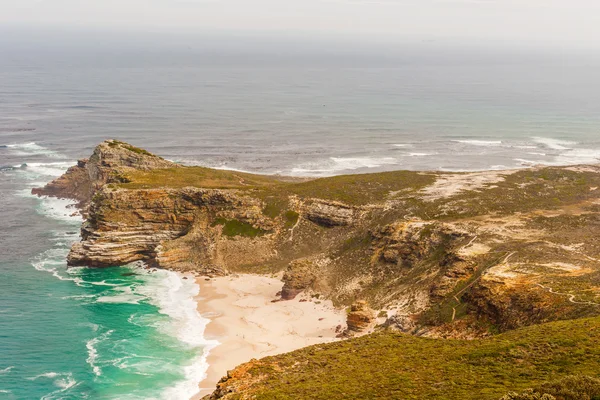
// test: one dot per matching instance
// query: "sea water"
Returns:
(129, 333)
(79, 333)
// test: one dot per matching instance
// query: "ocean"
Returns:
(128, 333)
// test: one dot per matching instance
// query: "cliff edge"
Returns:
(444, 255)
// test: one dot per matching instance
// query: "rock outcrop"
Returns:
(407, 243)
(108, 164)
(330, 213)
(300, 276)
(360, 318)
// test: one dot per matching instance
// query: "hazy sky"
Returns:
(563, 22)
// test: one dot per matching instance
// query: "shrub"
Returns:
(569, 388)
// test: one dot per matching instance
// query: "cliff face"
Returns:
(108, 164)
(452, 255)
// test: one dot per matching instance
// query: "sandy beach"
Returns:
(248, 325)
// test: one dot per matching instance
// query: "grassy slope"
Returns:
(352, 189)
(396, 366)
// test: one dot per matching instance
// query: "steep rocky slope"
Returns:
(110, 160)
(438, 253)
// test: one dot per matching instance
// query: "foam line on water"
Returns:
(421, 154)
(32, 148)
(482, 143)
(52, 169)
(175, 297)
(62, 210)
(93, 352)
(335, 165)
(554, 144)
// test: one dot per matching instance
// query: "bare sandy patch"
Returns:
(453, 184)
(248, 325)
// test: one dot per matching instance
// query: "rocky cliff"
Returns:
(437, 252)
(459, 255)
(108, 164)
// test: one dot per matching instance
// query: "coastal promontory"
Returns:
(495, 273)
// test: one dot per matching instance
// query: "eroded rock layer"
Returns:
(451, 255)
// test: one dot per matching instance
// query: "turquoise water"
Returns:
(116, 333)
(126, 333)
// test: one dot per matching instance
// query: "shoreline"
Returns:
(247, 324)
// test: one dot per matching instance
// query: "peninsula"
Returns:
(404, 284)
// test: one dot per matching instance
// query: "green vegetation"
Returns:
(359, 189)
(291, 218)
(541, 189)
(137, 150)
(396, 366)
(195, 177)
(569, 388)
(232, 228)
(275, 191)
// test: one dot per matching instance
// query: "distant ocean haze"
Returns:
(79, 332)
(319, 117)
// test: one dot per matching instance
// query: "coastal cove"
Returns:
(248, 325)
(122, 333)
(260, 265)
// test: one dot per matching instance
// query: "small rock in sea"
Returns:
(303, 301)
(207, 279)
(275, 300)
(154, 270)
(321, 319)
(185, 277)
(278, 293)
(338, 329)
(129, 274)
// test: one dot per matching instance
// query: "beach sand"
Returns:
(248, 325)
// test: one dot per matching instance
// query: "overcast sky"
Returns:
(562, 22)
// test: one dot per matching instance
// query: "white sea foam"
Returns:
(60, 209)
(420, 154)
(53, 169)
(104, 283)
(44, 375)
(125, 295)
(555, 144)
(63, 210)
(32, 148)
(403, 145)
(335, 165)
(577, 156)
(93, 352)
(175, 297)
(526, 163)
(6, 370)
(64, 382)
(52, 261)
(483, 143)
